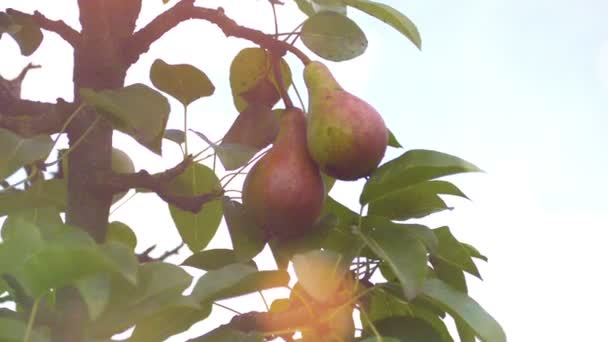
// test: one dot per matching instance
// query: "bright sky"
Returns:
(518, 87)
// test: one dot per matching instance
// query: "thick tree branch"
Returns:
(29, 118)
(185, 10)
(157, 183)
(57, 26)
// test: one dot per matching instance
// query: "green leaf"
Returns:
(251, 71)
(384, 305)
(197, 229)
(213, 259)
(474, 252)
(69, 259)
(453, 252)
(12, 330)
(159, 287)
(258, 281)
(120, 232)
(450, 274)
(236, 280)
(407, 329)
(248, 238)
(176, 135)
(182, 81)
(253, 130)
(284, 250)
(320, 272)
(404, 253)
(225, 334)
(136, 110)
(413, 201)
(123, 260)
(212, 283)
(42, 194)
(336, 6)
(380, 339)
(464, 309)
(176, 318)
(306, 7)
(19, 245)
(156, 279)
(39, 217)
(392, 140)
(412, 167)
(333, 36)
(26, 33)
(232, 156)
(16, 151)
(95, 291)
(423, 233)
(389, 16)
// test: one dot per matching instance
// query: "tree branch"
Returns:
(157, 183)
(57, 26)
(185, 10)
(29, 118)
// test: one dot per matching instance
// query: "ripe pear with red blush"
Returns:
(346, 136)
(284, 190)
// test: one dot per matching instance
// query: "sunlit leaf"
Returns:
(320, 272)
(197, 229)
(16, 151)
(333, 36)
(136, 110)
(251, 68)
(390, 16)
(182, 81)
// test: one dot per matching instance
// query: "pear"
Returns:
(284, 190)
(346, 136)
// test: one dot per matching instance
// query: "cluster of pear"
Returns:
(342, 136)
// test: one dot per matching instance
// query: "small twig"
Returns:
(278, 75)
(227, 308)
(145, 255)
(57, 26)
(169, 253)
(158, 183)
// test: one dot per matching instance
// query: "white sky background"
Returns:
(518, 87)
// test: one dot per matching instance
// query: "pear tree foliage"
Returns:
(69, 274)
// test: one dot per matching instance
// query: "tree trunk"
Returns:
(98, 64)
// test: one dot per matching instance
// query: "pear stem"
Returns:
(276, 68)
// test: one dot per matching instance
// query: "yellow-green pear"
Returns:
(346, 136)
